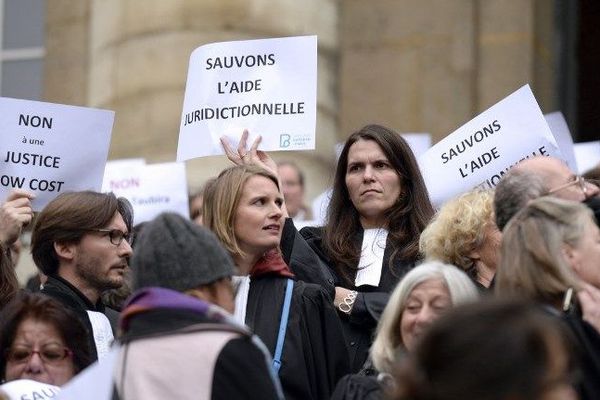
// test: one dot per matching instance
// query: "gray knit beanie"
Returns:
(174, 253)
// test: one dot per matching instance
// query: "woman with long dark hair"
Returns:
(378, 209)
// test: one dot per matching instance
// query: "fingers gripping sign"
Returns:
(15, 213)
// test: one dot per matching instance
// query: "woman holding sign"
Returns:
(244, 208)
(378, 209)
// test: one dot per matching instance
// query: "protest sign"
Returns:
(587, 155)
(96, 382)
(27, 389)
(480, 152)
(49, 148)
(151, 188)
(419, 142)
(560, 130)
(267, 86)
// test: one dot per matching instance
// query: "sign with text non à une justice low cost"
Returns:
(51, 148)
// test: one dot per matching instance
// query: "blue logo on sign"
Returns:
(284, 140)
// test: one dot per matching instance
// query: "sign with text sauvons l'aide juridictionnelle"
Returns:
(268, 86)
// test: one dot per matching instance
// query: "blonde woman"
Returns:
(244, 208)
(463, 233)
(550, 255)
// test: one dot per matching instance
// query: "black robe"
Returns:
(360, 325)
(314, 354)
(61, 290)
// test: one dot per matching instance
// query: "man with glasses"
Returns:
(536, 177)
(81, 241)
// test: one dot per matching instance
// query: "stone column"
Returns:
(139, 54)
(432, 65)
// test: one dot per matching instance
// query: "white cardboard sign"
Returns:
(267, 86)
(419, 142)
(27, 389)
(480, 152)
(151, 188)
(560, 130)
(50, 148)
(587, 155)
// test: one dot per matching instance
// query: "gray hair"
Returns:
(514, 191)
(388, 339)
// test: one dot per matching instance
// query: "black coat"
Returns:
(71, 297)
(360, 325)
(588, 345)
(314, 354)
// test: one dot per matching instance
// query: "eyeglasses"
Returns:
(48, 353)
(116, 236)
(579, 180)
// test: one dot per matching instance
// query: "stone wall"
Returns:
(432, 65)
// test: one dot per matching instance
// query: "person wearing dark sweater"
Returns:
(81, 241)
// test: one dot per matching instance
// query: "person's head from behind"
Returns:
(292, 182)
(547, 248)
(377, 181)
(559, 180)
(422, 295)
(84, 237)
(463, 233)
(536, 177)
(244, 210)
(490, 350)
(175, 253)
(196, 202)
(41, 340)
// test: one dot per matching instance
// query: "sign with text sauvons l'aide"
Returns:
(51, 148)
(268, 86)
(480, 152)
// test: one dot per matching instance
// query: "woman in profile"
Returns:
(549, 254)
(463, 233)
(244, 208)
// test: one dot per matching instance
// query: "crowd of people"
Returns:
(496, 295)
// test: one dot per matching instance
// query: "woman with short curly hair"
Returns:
(463, 233)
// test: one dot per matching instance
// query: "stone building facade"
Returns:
(414, 65)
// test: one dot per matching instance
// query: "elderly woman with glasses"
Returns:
(41, 340)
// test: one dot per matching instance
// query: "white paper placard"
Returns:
(419, 142)
(96, 382)
(587, 155)
(560, 130)
(480, 152)
(268, 86)
(27, 389)
(122, 175)
(50, 148)
(151, 188)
